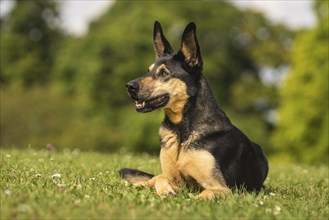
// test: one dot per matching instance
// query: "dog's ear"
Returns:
(190, 49)
(161, 45)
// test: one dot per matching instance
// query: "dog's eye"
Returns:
(163, 73)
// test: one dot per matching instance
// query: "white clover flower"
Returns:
(79, 187)
(56, 175)
(261, 202)
(7, 192)
(77, 201)
(277, 210)
(272, 194)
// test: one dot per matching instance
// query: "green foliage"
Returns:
(29, 39)
(118, 48)
(75, 185)
(302, 131)
(70, 122)
(39, 116)
(83, 102)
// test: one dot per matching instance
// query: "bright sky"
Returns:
(295, 13)
(76, 14)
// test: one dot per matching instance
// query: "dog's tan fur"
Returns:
(179, 164)
(199, 145)
(175, 87)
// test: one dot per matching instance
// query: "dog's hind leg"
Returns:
(213, 192)
(201, 166)
(212, 185)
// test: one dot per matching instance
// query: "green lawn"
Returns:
(73, 184)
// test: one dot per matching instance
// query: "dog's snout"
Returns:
(132, 86)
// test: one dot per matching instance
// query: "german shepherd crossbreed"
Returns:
(200, 147)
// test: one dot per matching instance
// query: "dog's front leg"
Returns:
(170, 180)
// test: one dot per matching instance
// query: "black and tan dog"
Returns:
(200, 147)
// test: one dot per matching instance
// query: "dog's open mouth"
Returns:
(151, 104)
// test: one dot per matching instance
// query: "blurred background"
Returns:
(64, 65)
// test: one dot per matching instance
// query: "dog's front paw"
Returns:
(163, 187)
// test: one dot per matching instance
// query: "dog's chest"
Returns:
(181, 162)
(174, 154)
(172, 145)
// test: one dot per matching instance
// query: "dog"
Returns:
(200, 147)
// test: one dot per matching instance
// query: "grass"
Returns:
(85, 185)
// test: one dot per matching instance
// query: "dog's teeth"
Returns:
(140, 104)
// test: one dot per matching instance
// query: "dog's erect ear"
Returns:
(161, 45)
(190, 47)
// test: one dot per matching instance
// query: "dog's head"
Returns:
(173, 78)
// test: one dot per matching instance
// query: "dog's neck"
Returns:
(199, 111)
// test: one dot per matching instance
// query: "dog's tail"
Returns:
(135, 177)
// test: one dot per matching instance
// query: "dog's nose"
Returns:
(132, 86)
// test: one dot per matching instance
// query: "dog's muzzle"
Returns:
(145, 104)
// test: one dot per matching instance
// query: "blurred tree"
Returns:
(227, 42)
(302, 131)
(29, 39)
(118, 48)
(92, 71)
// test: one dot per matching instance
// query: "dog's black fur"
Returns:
(202, 124)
